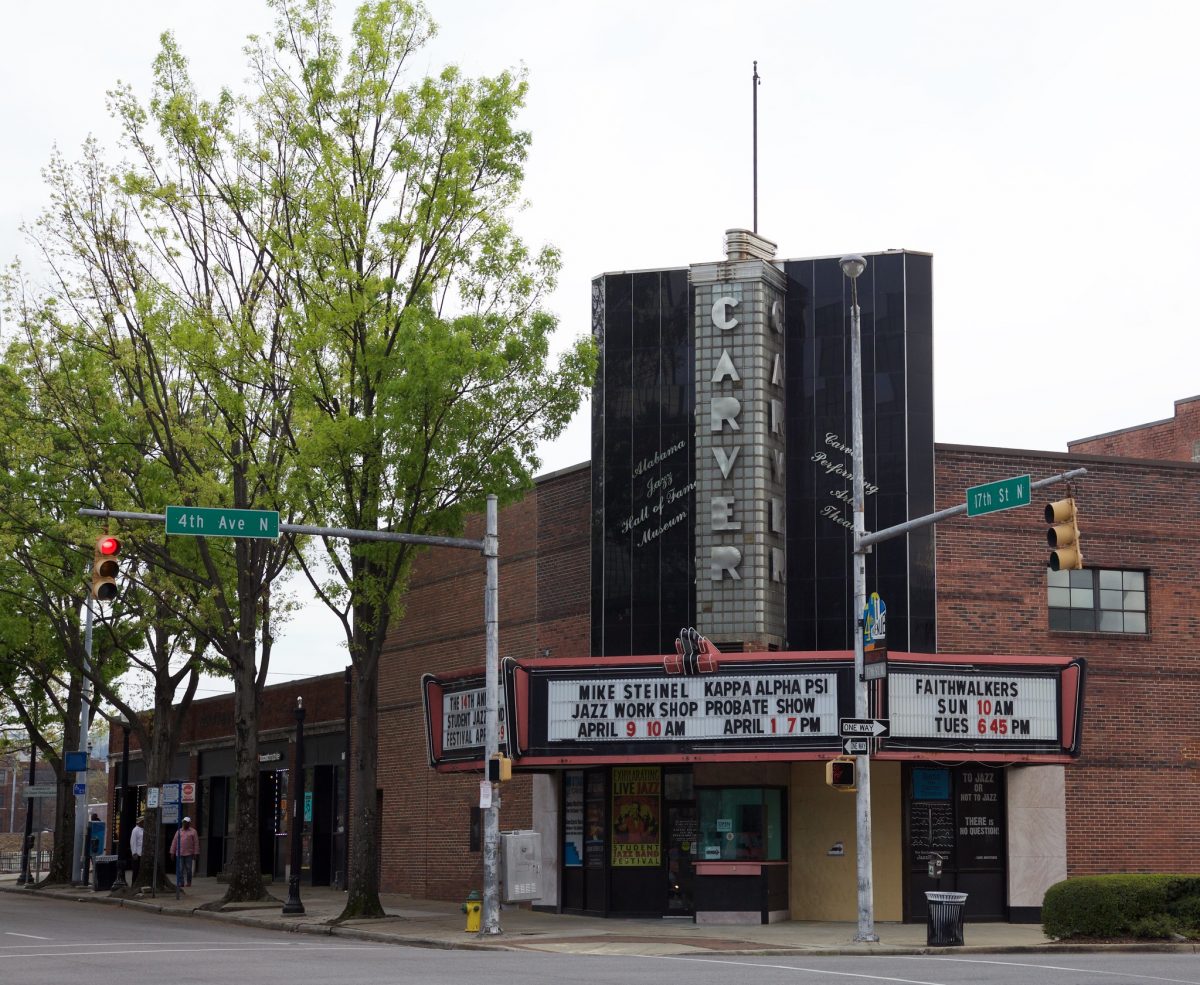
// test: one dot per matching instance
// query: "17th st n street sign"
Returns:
(1003, 494)
(207, 521)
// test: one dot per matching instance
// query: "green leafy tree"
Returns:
(163, 275)
(428, 377)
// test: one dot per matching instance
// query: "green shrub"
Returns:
(1127, 905)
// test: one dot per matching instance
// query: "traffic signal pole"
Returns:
(852, 267)
(489, 546)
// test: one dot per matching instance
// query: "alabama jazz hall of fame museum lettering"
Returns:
(690, 780)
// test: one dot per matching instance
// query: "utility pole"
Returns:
(852, 267)
(77, 860)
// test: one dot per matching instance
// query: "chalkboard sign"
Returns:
(931, 829)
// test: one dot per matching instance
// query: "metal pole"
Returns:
(852, 267)
(489, 923)
(755, 84)
(77, 866)
(293, 906)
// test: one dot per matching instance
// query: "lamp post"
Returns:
(852, 267)
(293, 906)
(26, 877)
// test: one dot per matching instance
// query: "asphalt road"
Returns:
(50, 942)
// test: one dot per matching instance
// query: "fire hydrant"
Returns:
(473, 908)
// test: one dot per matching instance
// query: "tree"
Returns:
(163, 272)
(429, 376)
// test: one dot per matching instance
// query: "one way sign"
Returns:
(876, 728)
(856, 747)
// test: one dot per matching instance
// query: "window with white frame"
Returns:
(1097, 600)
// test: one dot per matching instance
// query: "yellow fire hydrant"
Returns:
(473, 908)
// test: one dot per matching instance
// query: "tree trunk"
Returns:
(362, 900)
(245, 868)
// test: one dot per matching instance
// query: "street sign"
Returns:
(40, 791)
(856, 747)
(875, 728)
(152, 797)
(79, 789)
(170, 813)
(1004, 494)
(187, 793)
(874, 623)
(76, 762)
(170, 793)
(207, 521)
(875, 665)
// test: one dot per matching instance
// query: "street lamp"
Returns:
(852, 267)
(293, 906)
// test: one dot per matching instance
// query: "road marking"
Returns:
(812, 971)
(13, 933)
(219, 949)
(1055, 967)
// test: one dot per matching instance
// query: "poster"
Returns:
(573, 819)
(636, 803)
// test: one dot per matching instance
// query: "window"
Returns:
(741, 823)
(1097, 600)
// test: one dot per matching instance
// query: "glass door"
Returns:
(681, 851)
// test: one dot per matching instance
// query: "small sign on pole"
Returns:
(76, 762)
(79, 789)
(152, 795)
(187, 793)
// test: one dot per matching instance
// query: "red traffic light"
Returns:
(105, 568)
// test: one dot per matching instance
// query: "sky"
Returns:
(1046, 153)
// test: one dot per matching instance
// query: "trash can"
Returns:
(104, 872)
(945, 927)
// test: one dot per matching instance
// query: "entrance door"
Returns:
(682, 825)
(956, 815)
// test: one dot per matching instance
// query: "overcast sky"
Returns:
(1046, 153)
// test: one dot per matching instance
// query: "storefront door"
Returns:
(955, 816)
(681, 847)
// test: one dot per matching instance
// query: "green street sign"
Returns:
(1003, 494)
(207, 521)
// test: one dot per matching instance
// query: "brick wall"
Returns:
(1133, 797)
(1176, 439)
(544, 605)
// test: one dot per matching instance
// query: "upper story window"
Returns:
(1097, 600)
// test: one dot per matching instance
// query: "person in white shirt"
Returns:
(135, 847)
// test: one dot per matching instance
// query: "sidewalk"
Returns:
(434, 923)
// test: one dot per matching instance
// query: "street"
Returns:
(48, 942)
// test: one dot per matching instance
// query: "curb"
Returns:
(527, 943)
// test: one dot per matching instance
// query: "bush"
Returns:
(1128, 905)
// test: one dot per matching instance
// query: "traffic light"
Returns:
(1063, 535)
(105, 568)
(839, 774)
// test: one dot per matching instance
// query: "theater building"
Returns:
(1041, 723)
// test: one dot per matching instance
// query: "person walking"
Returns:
(186, 847)
(136, 836)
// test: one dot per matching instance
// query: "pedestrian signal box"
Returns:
(839, 774)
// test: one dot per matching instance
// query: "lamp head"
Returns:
(852, 266)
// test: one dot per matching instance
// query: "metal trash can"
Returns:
(945, 926)
(104, 872)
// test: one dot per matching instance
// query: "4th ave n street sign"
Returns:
(1003, 494)
(207, 521)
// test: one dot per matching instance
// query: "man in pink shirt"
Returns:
(186, 846)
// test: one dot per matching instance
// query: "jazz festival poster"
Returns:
(637, 800)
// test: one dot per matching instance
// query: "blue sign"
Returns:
(76, 762)
(79, 789)
(308, 805)
(874, 622)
